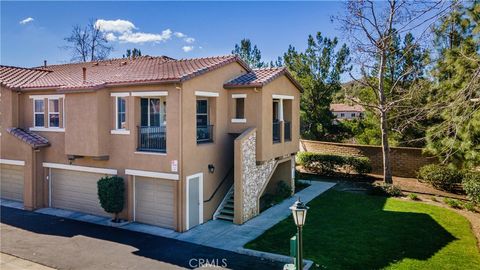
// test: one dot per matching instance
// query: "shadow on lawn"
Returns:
(352, 231)
(154, 247)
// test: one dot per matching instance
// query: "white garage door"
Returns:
(76, 191)
(154, 201)
(11, 179)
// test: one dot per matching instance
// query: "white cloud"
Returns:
(187, 48)
(119, 26)
(111, 37)
(140, 37)
(189, 40)
(180, 35)
(26, 20)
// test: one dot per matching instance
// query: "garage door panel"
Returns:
(154, 201)
(76, 191)
(12, 182)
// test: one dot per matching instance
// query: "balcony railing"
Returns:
(204, 134)
(152, 139)
(287, 131)
(276, 132)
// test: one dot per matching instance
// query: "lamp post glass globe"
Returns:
(299, 212)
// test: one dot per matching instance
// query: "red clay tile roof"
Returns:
(260, 77)
(15, 77)
(33, 139)
(339, 107)
(145, 69)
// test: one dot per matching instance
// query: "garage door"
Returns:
(154, 201)
(76, 191)
(11, 179)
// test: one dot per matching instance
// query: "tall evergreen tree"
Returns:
(318, 70)
(455, 137)
(251, 55)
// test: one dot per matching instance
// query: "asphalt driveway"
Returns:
(69, 244)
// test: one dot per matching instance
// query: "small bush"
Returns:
(470, 206)
(453, 203)
(413, 197)
(111, 193)
(283, 190)
(434, 199)
(329, 164)
(471, 185)
(386, 190)
(300, 185)
(440, 177)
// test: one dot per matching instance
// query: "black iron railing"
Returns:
(287, 131)
(276, 132)
(204, 134)
(152, 139)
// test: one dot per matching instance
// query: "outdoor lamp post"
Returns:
(299, 212)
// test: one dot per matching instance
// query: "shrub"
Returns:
(440, 177)
(471, 185)
(329, 164)
(413, 197)
(453, 203)
(470, 206)
(387, 190)
(111, 192)
(283, 190)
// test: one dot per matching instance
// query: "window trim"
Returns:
(161, 99)
(236, 120)
(207, 113)
(35, 113)
(117, 128)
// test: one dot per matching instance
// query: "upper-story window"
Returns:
(353, 114)
(204, 129)
(39, 113)
(239, 108)
(121, 116)
(53, 113)
(342, 115)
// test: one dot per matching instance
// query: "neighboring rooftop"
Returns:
(260, 77)
(14, 77)
(340, 107)
(144, 69)
(30, 138)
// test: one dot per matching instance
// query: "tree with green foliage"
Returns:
(132, 53)
(251, 55)
(318, 70)
(455, 136)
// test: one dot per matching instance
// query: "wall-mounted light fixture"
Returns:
(211, 168)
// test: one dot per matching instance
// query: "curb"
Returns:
(272, 256)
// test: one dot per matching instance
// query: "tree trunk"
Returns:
(387, 171)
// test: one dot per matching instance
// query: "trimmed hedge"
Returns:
(330, 164)
(111, 193)
(440, 176)
(471, 185)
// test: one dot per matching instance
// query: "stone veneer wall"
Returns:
(406, 161)
(250, 178)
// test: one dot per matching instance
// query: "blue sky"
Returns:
(214, 26)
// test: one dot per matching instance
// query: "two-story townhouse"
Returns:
(194, 139)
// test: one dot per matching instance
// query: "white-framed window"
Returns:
(53, 112)
(153, 111)
(353, 114)
(39, 113)
(121, 113)
(239, 108)
(342, 115)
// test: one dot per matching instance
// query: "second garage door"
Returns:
(154, 201)
(76, 191)
(11, 182)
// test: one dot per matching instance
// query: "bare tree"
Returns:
(371, 27)
(88, 43)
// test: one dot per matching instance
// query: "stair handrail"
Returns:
(219, 185)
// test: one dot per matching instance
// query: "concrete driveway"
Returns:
(69, 244)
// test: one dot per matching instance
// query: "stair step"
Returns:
(225, 217)
(230, 200)
(226, 211)
(229, 205)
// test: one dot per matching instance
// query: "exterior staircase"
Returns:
(226, 208)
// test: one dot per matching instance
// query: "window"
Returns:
(53, 113)
(342, 115)
(353, 114)
(202, 112)
(153, 112)
(39, 113)
(240, 108)
(121, 113)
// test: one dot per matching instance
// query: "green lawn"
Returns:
(354, 231)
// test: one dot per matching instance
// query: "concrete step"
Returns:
(227, 211)
(225, 217)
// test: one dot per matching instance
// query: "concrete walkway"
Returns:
(228, 236)
(9, 262)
